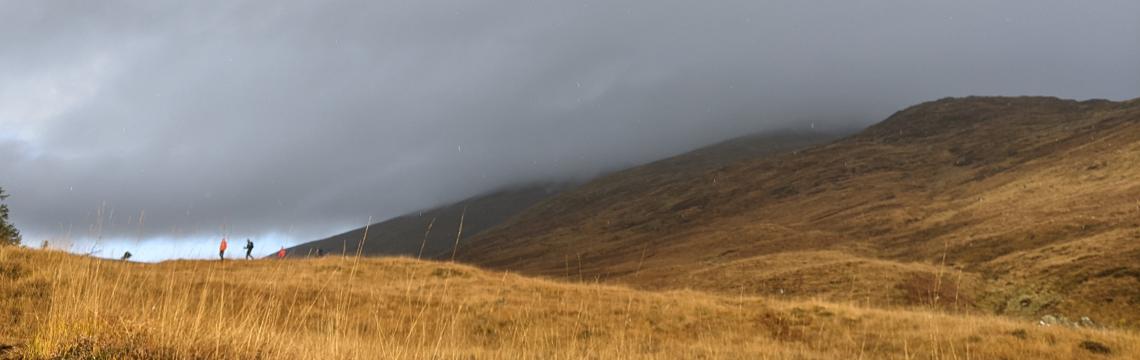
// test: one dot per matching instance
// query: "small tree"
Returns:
(8, 233)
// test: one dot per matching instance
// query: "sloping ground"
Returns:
(838, 276)
(56, 305)
(1022, 206)
(408, 234)
(405, 235)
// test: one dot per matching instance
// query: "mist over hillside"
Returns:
(299, 119)
(436, 232)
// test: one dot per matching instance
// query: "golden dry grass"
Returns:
(57, 305)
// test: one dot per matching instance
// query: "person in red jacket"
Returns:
(281, 253)
(222, 249)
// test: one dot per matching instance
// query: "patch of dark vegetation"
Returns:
(930, 289)
(1119, 272)
(933, 232)
(490, 331)
(822, 312)
(125, 344)
(1028, 303)
(791, 328)
(12, 271)
(988, 172)
(449, 273)
(963, 161)
(1095, 347)
(728, 252)
(783, 192)
(585, 334)
(690, 203)
(1020, 334)
(6, 349)
(992, 247)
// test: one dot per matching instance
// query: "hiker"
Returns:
(222, 249)
(248, 249)
(126, 256)
(320, 252)
(281, 253)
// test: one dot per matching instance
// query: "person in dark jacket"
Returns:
(248, 249)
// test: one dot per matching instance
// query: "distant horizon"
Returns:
(166, 247)
(158, 250)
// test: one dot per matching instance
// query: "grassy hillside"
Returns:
(1018, 206)
(408, 234)
(56, 305)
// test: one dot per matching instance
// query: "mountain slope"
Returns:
(408, 234)
(405, 235)
(1024, 206)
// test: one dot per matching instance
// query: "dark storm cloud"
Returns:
(305, 117)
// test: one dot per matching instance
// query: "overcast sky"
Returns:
(294, 120)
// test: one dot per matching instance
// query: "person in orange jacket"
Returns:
(222, 249)
(281, 253)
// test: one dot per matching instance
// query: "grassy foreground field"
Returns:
(57, 305)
